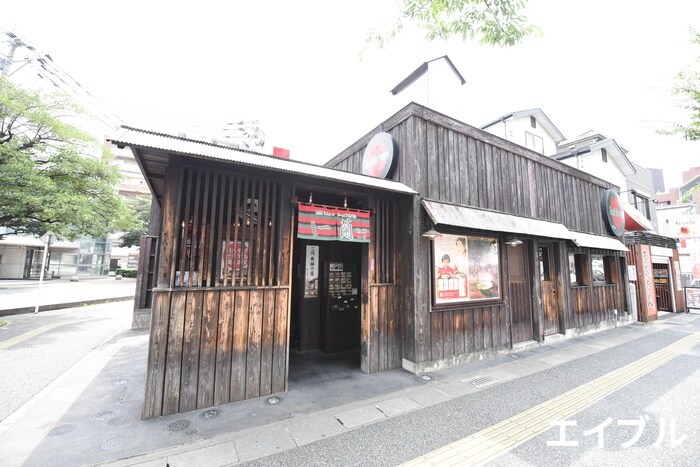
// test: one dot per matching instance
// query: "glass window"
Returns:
(578, 270)
(465, 269)
(604, 269)
(534, 142)
(642, 205)
(545, 274)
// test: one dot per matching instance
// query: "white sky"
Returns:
(598, 65)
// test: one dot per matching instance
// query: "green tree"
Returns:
(687, 87)
(491, 22)
(48, 181)
(142, 208)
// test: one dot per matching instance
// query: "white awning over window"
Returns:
(598, 241)
(461, 216)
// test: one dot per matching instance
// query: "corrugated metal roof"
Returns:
(136, 137)
(460, 216)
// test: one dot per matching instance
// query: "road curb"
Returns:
(60, 306)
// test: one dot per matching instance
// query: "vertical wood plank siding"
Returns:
(221, 347)
(449, 161)
(593, 304)
(219, 337)
(460, 164)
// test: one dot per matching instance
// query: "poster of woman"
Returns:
(466, 268)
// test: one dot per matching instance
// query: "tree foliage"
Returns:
(142, 209)
(490, 22)
(48, 180)
(687, 87)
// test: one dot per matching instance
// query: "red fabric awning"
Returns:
(635, 221)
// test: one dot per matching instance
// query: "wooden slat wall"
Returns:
(593, 304)
(219, 348)
(458, 164)
(214, 345)
(384, 343)
(468, 330)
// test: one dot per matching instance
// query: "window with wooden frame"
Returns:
(604, 269)
(228, 231)
(578, 270)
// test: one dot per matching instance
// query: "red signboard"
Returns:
(379, 158)
(333, 223)
(280, 152)
(613, 213)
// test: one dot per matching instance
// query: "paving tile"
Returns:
(429, 396)
(263, 442)
(310, 429)
(455, 388)
(527, 367)
(397, 405)
(360, 416)
(210, 456)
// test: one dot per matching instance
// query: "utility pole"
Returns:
(7, 62)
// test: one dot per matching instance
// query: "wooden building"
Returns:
(655, 275)
(425, 244)
(564, 273)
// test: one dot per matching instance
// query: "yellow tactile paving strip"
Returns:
(490, 443)
(35, 332)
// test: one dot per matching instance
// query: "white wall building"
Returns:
(434, 84)
(530, 128)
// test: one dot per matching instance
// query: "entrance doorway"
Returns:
(326, 308)
(521, 303)
(550, 294)
(662, 287)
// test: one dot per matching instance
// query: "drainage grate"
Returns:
(480, 381)
(114, 444)
(211, 413)
(61, 430)
(179, 425)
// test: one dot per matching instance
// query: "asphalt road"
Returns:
(669, 396)
(36, 349)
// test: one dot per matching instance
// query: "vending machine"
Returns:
(340, 316)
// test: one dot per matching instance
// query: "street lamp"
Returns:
(47, 238)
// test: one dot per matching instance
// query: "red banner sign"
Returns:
(333, 223)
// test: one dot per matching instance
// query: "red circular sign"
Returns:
(613, 213)
(379, 158)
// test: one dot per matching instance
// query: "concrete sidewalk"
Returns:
(20, 296)
(91, 414)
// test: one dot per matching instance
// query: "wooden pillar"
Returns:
(160, 311)
(563, 286)
(681, 306)
(535, 289)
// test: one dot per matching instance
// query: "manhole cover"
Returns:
(112, 444)
(480, 381)
(179, 425)
(274, 400)
(61, 429)
(426, 377)
(211, 413)
(120, 381)
(102, 416)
